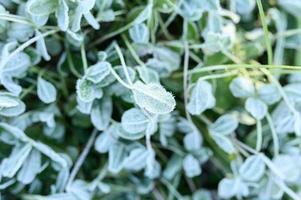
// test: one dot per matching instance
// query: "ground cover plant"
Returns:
(150, 99)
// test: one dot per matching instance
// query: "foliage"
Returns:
(157, 99)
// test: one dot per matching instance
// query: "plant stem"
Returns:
(81, 158)
(266, 32)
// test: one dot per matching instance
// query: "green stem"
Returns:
(266, 32)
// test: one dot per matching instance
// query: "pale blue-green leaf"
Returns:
(8, 101)
(224, 143)
(42, 7)
(269, 93)
(169, 59)
(134, 121)
(256, 107)
(152, 168)
(14, 162)
(46, 91)
(41, 46)
(84, 107)
(202, 194)
(106, 139)
(117, 155)
(80, 190)
(297, 124)
(17, 65)
(91, 20)
(148, 75)
(62, 15)
(136, 160)
(50, 153)
(284, 119)
(191, 166)
(86, 6)
(30, 168)
(192, 141)
(252, 169)
(98, 72)
(242, 87)
(231, 187)
(85, 90)
(9, 84)
(289, 167)
(173, 167)
(224, 125)
(101, 113)
(75, 39)
(143, 15)
(20, 32)
(39, 21)
(129, 135)
(16, 132)
(244, 7)
(48, 118)
(139, 33)
(153, 97)
(201, 98)
(292, 7)
(293, 91)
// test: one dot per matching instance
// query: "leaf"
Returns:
(134, 121)
(85, 90)
(224, 143)
(13, 163)
(191, 166)
(201, 98)
(252, 169)
(192, 141)
(224, 125)
(41, 46)
(269, 93)
(30, 168)
(173, 167)
(62, 15)
(143, 15)
(16, 132)
(42, 7)
(116, 157)
(46, 91)
(293, 91)
(101, 113)
(153, 97)
(148, 75)
(242, 87)
(8, 101)
(288, 166)
(129, 136)
(136, 159)
(50, 153)
(231, 187)
(105, 140)
(139, 33)
(292, 7)
(98, 72)
(256, 107)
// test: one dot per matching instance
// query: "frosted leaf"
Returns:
(98, 72)
(242, 87)
(224, 143)
(252, 169)
(231, 187)
(134, 121)
(136, 159)
(224, 125)
(256, 107)
(85, 90)
(192, 141)
(117, 155)
(46, 91)
(139, 33)
(42, 7)
(201, 98)
(101, 113)
(269, 93)
(153, 97)
(191, 166)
